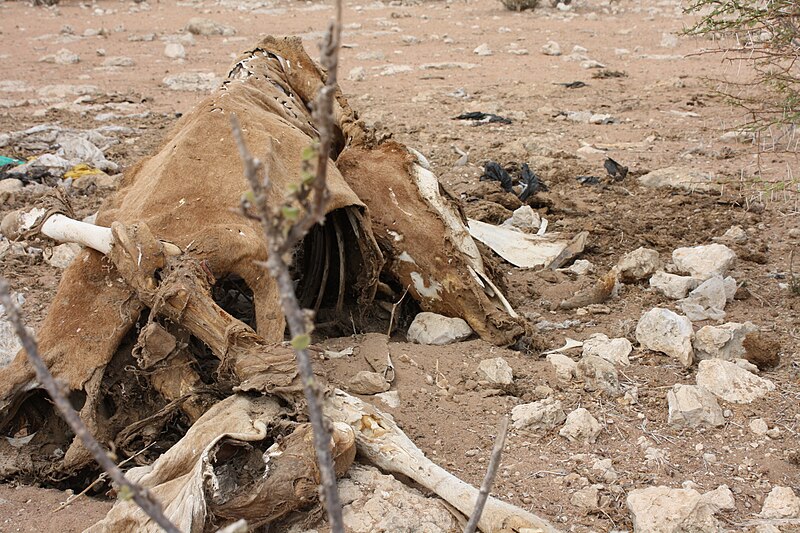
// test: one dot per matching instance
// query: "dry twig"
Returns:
(139, 494)
(491, 473)
(312, 195)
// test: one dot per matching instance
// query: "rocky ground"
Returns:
(672, 412)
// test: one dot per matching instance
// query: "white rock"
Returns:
(703, 262)
(496, 371)
(586, 498)
(62, 255)
(357, 74)
(552, 48)
(62, 57)
(430, 328)
(707, 301)
(603, 470)
(746, 365)
(730, 288)
(391, 70)
(11, 185)
(598, 374)
(692, 406)
(781, 502)
(175, 51)
(373, 501)
(581, 426)
(483, 50)
(365, 382)
(667, 510)
(524, 218)
(669, 40)
(564, 366)
(615, 351)
(592, 63)
(758, 427)
(734, 235)
(390, 398)
(662, 330)
(731, 383)
(543, 415)
(119, 61)
(679, 178)
(638, 264)
(192, 81)
(580, 267)
(202, 26)
(722, 342)
(672, 285)
(9, 342)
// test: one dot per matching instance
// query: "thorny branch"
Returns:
(140, 495)
(488, 480)
(282, 239)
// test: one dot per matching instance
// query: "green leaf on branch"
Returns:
(290, 213)
(301, 342)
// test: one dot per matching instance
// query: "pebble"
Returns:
(431, 328)
(175, 51)
(551, 48)
(482, 50)
(581, 426)
(496, 371)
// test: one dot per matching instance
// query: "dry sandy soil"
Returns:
(419, 71)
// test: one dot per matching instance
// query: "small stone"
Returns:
(580, 267)
(734, 235)
(638, 264)
(693, 406)
(747, 365)
(496, 371)
(483, 50)
(543, 415)
(672, 285)
(390, 398)
(175, 51)
(431, 328)
(774, 433)
(781, 502)
(758, 427)
(10, 185)
(603, 470)
(731, 383)
(667, 510)
(679, 178)
(669, 40)
(62, 57)
(722, 342)
(365, 382)
(9, 342)
(391, 70)
(598, 374)
(357, 74)
(704, 262)
(581, 426)
(62, 255)
(564, 366)
(587, 498)
(552, 48)
(118, 61)
(525, 219)
(615, 351)
(192, 81)
(662, 330)
(202, 26)
(592, 63)
(706, 302)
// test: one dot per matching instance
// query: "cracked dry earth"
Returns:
(409, 67)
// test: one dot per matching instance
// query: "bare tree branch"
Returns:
(491, 473)
(139, 494)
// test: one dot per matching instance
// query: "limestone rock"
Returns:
(524, 218)
(703, 262)
(192, 81)
(722, 342)
(638, 264)
(679, 178)
(390, 398)
(496, 371)
(615, 351)
(598, 374)
(357, 74)
(373, 501)
(483, 50)
(543, 415)
(672, 285)
(564, 366)
(62, 255)
(667, 510)
(781, 502)
(118, 61)
(551, 48)
(706, 302)
(203, 26)
(730, 382)
(692, 406)
(365, 382)
(587, 498)
(758, 427)
(662, 330)
(734, 235)
(175, 51)
(430, 328)
(581, 426)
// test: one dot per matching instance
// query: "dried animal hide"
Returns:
(388, 215)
